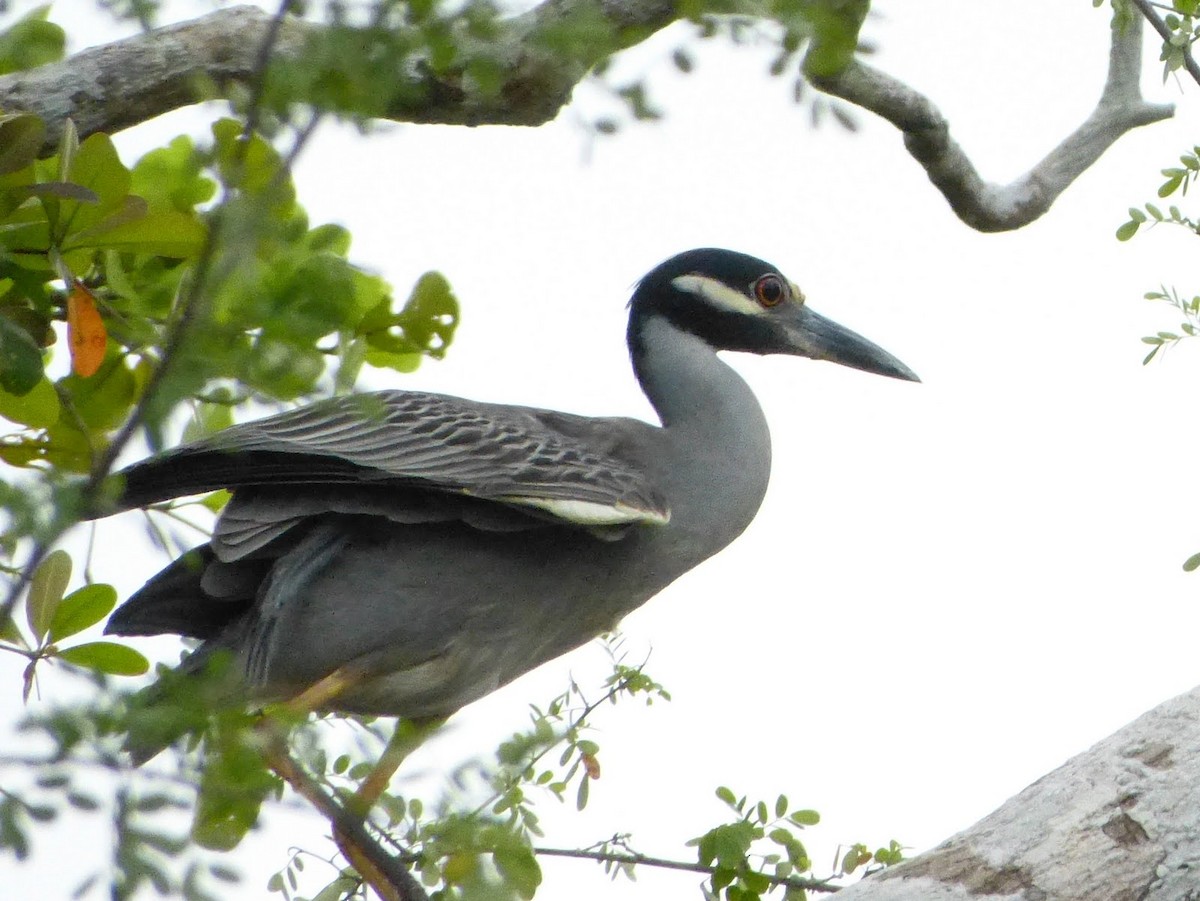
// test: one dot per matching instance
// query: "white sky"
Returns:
(953, 586)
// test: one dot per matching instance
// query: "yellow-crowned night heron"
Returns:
(433, 548)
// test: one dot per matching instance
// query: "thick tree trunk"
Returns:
(1118, 822)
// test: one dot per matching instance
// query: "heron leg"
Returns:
(321, 692)
(407, 737)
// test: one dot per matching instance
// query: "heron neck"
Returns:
(716, 449)
(688, 385)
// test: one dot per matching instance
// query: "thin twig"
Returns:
(1147, 10)
(632, 857)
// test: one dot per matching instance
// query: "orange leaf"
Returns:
(86, 333)
(591, 765)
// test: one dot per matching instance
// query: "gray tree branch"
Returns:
(991, 207)
(1146, 8)
(1118, 821)
(118, 85)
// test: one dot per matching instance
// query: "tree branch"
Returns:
(632, 857)
(1148, 13)
(1118, 821)
(121, 84)
(982, 205)
(386, 874)
(118, 85)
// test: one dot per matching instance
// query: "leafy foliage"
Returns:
(191, 282)
(1178, 179)
(761, 849)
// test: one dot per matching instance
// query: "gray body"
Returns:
(437, 548)
(521, 597)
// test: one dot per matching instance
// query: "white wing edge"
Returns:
(587, 513)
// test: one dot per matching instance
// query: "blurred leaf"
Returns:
(519, 869)
(10, 632)
(233, 786)
(21, 137)
(216, 501)
(68, 146)
(98, 168)
(46, 590)
(206, 419)
(1128, 230)
(64, 190)
(1192, 563)
(835, 26)
(172, 178)
(38, 408)
(341, 887)
(107, 657)
(104, 399)
(82, 609)
(166, 233)
(402, 363)
(20, 359)
(31, 42)
(425, 325)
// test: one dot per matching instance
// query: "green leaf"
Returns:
(805, 817)
(1171, 185)
(519, 869)
(98, 168)
(402, 363)
(425, 325)
(46, 590)
(835, 25)
(107, 657)
(104, 399)
(726, 795)
(10, 633)
(341, 887)
(731, 842)
(81, 609)
(38, 408)
(1192, 563)
(172, 177)
(1128, 230)
(20, 359)
(166, 233)
(206, 419)
(68, 146)
(21, 137)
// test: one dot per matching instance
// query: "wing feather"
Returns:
(568, 467)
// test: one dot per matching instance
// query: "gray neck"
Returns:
(717, 454)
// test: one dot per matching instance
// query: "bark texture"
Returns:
(118, 85)
(991, 207)
(1119, 822)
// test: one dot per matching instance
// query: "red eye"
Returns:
(770, 290)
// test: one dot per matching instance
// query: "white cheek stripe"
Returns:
(718, 294)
